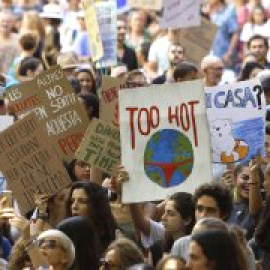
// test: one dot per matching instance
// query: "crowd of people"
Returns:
(224, 224)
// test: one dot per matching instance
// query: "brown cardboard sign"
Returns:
(146, 4)
(51, 97)
(197, 41)
(101, 146)
(109, 99)
(30, 163)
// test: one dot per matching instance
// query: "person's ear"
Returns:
(64, 259)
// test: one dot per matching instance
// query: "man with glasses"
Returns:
(211, 200)
(212, 68)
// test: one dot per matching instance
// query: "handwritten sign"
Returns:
(236, 114)
(96, 48)
(164, 140)
(197, 41)
(106, 16)
(51, 97)
(109, 110)
(101, 146)
(180, 14)
(29, 162)
(146, 4)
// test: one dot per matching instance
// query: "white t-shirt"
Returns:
(157, 233)
(250, 30)
(159, 53)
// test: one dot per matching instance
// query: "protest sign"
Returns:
(29, 162)
(109, 99)
(164, 140)
(101, 146)
(5, 121)
(197, 41)
(96, 48)
(180, 14)
(106, 16)
(146, 4)
(236, 115)
(54, 102)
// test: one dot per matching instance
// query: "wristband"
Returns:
(43, 216)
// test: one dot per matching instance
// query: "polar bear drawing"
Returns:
(225, 148)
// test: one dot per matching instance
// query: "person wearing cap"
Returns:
(57, 248)
(212, 68)
(68, 61)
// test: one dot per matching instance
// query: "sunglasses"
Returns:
(51, 244)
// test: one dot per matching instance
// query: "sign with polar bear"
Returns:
(165, 140)
(236, 115)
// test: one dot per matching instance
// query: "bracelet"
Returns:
(253, 183)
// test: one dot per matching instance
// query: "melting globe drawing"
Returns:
(168, 158)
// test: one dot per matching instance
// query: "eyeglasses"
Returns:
(51, 244)
(104, 265)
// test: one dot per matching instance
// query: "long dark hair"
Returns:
(100, 215)
(221, 249)
(262, 233)
(86, 242)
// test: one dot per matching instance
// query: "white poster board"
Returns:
(236, 114)
(180, 14)
(5, 121)
(164, 140)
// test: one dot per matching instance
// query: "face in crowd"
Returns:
(259, 49)
(175, 54)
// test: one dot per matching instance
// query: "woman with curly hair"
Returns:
(90, 200)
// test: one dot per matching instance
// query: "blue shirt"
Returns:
(226, 21)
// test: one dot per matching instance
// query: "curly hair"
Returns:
(101, 215)
(219, 193)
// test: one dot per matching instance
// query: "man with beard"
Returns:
(176, 54)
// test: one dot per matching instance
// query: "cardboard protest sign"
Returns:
(101, 146)
(146, 4)
(54, 102)
(29, 162)
(164, 140)
(197, 41)
(96, 48)
(5, 121)
(236, 114)
(107, 17)
(109, 99)
(180, 14)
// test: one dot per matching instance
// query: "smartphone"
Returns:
(9, 198)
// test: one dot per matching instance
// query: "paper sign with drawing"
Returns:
(236, 114)
(164, 133)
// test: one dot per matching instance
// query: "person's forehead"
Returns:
(256, 42)
(121, 23)
(207, 200)
(176, 48)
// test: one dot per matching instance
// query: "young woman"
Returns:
(89, 200)
(177, 221)
(256, 24)
(84, 237)
(248, 202)
(215, 250)
(250, 71)
(86, 78)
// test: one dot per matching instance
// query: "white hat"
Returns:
(64, 241)
(51, 11)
